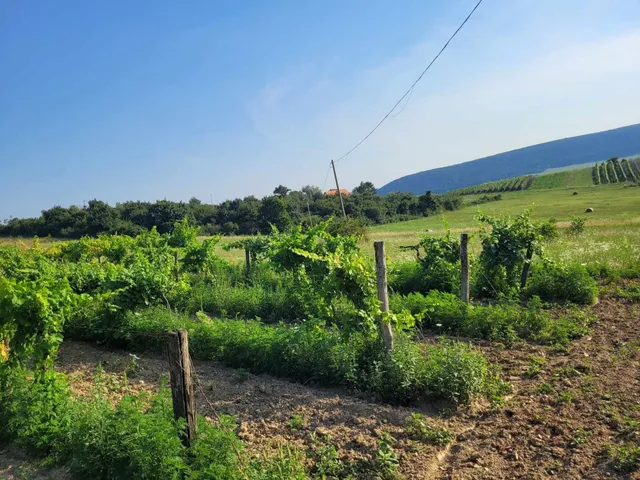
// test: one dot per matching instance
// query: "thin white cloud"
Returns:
(272, 94)
(469, 112)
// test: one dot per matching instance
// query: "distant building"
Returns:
(333, 191)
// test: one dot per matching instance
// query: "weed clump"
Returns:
(312, 352)
(508, 322)
(560, 283)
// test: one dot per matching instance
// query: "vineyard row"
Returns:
(616, 171)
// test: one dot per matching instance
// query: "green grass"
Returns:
(580, 178)
(564, 179)
(612, 245)
(551, 180)
(614, 224)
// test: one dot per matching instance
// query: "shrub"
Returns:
(441, 262)
(406, 277)
(508, 322)
(558, 283)
(577, 225)
(504, 253)
(438, 267)
(35, 415)
(249, 302)
(130, 441)
(455, 371)
(549, 230)
(137, 439)
(437, 310)
(347, 227)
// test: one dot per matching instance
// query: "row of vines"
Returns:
(509, 185)
(616, 171)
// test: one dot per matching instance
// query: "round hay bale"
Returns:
(589, 210)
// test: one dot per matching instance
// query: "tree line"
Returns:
(242, 216)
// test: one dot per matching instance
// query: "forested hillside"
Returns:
(593, 147)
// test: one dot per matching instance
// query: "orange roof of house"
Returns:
(333, 191)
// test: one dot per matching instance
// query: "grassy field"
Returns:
(610, 202)
(612, 235)
(580, 177)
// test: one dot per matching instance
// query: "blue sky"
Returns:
(147, 100)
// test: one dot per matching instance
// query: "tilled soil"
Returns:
(556, 422)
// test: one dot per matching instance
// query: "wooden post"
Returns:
(184, 402)
(383, 294)
(464, 267)
(176, 265)
(247, 259)
(527, 266)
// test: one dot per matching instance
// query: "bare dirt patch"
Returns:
(559, 421)
(15, 465)
(266, 407)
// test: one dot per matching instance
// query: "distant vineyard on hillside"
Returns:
(613, 170)
(509, 185)
(616, 171)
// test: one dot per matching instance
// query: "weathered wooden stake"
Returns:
(527, 266)
(383, 295)
(184, 402)
(464, 267)
(247, 258)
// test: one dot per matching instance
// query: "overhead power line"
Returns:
(326, 176)
(410, 90)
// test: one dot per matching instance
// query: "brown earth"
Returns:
(589, 392)
(15, 465)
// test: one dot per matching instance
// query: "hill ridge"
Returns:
(532, 159)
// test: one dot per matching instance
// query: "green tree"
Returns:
(365, 188)
(427, 204)
(312, 192)
(273, 211)
(100, 217)
(230, 228)
(281, 191)
(164, 214)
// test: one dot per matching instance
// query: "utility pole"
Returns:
(308, 209)
(335, 175)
